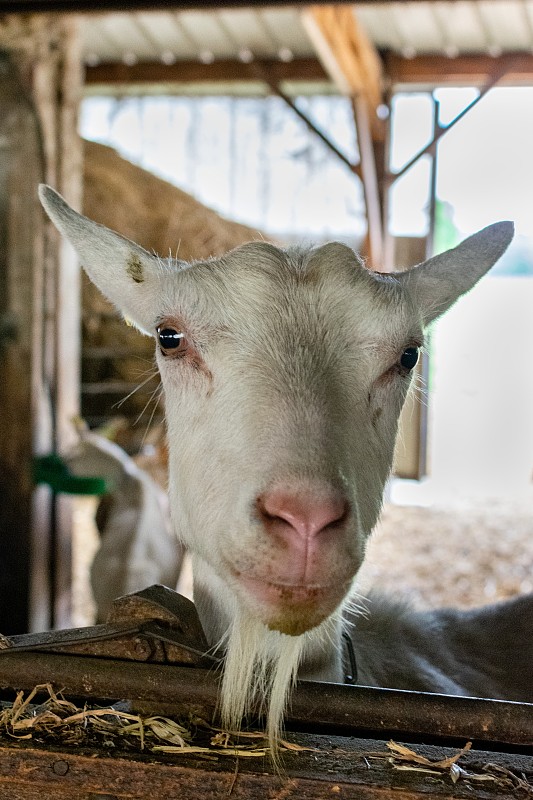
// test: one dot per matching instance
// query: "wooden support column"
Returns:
(40, 361)
(20, 166)
(372, 154)
(353, 63)
(62, 82)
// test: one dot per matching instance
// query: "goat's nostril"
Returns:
(305, 513)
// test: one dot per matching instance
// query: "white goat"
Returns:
(284, 373)
(137, 547)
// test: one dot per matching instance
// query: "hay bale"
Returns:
(153, 212)
(161, 218)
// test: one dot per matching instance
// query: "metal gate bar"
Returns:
(344, 710)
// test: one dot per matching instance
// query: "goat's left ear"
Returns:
(437, 283)
(125, 273)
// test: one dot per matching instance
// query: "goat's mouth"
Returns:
(292, 609)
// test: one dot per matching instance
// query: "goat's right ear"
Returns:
(125, 273)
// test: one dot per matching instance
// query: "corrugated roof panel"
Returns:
(247, 30)
(380, 25)
(417, 27)
(129, 38)
(426, 31)
(465, 26)
(451, 27)
(528, 8)
(286, 28)
(203, 29)
(461, 26)
(96, 44)
(164, 29)
(506, 24)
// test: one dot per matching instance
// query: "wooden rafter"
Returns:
(266, 76)
(470, 70)
(500, 71)
(222, 70)
(348, 55)
(353, 63)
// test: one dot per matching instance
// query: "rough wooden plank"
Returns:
(68, 291)
(57, 81)
(334, 768)
(473, 70)
(221, 70)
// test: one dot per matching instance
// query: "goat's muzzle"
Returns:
(308, 556)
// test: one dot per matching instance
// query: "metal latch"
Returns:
(156, 625)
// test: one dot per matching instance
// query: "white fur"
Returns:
(137, 547)
(291, 388)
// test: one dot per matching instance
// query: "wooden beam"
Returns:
(371, 184)
(77, 6)
(353, 63)
(440, 130)
(225, 70)
(265, 76)
(21, 314)
(363, 768)
(473, 70)
(348, 56)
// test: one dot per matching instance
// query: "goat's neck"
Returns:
(217, 607)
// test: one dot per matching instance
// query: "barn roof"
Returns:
(213, 39)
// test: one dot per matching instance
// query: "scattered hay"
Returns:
(495, 773)
(59, 721)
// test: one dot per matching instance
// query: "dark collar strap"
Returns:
(351, 675)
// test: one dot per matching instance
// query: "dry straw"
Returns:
(59, 720)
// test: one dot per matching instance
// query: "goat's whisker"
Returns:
(150, 377)
(157, 393)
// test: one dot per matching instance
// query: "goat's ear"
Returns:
(125, 273)
(437, 283)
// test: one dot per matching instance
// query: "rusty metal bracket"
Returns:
(156, 625)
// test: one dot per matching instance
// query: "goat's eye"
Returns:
(171, 341)
(409, 358)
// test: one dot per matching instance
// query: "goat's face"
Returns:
(284, 375)
(282, 395)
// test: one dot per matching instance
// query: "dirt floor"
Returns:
(465, 554)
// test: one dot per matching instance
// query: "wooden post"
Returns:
(371, 185)
(352, 61)
(19, 360)
(41, 86)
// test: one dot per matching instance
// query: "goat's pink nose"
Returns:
(305, 513)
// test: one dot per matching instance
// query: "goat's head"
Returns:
(284, 375)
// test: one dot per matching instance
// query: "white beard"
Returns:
(261, 667)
